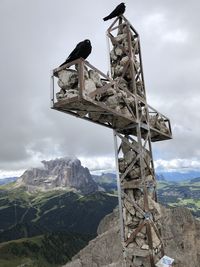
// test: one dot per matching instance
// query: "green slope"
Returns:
(186, 193)
(42, 251)
(27, 215)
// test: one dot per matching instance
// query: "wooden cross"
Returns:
(118, 101)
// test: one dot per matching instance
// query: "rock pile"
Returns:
(133, 203)
(120, 95)
(69, 84)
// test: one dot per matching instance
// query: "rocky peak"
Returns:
(181, 237)
(59, 173)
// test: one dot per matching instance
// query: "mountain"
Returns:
(59, 173)
(185, 193)
(181, 237)
(107, 181)
(171, 194)
(176, 176)
(48, 211)
(8, 180)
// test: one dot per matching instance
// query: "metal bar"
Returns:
(150, 241)
(133, 235)
(97, 70)
(118, 186)
(51, 89)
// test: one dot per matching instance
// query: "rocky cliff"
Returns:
(59, 173)
(181, 236)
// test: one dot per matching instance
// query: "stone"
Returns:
(140, 88)
(145, 247)
(122, 165)
(118, 51)
(121, 37)
(112, 55)
(129, 207)
(124, 60)
(123, 85)
(135, 173)
(136, 63)
(125, 45)
(125, 147)
(67, 79)
(110, 91)
(162, 125)
(71, 93)
(140, 241)
(118, 70)
(139, 215)
(135, 46)
(138, 261)
(89, 87)
(125, 111)
(112, 101)
(129, 156)
(137, 194)
(60, 94)
(127, 218)
(95, 77)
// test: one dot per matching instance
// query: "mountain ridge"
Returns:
(58, 173)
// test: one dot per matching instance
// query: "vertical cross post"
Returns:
(118, 101)
(139, 212)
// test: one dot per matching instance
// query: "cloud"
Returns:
(177, 164)
(36, 37)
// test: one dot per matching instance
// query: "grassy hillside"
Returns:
(41, 251)
(186, 193)
(171, 194)
(47, 228)
(26, 215)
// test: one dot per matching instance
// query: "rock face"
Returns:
(181, 237)
(59, 173)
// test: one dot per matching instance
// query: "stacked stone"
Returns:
(117, 97)
(140, 213)
(119, 58)
(134, 214)
(68, 82)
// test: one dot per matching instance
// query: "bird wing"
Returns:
(75, 51)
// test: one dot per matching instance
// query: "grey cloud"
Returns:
(38, 35)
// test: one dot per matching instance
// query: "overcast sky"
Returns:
(38, 35)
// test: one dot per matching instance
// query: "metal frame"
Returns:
(142, 125)
(90, 104)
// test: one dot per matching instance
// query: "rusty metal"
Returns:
(141, 126)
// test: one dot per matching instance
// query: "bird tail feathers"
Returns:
(106, 18)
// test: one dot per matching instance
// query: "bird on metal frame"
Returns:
(118, 11)
(83, 49)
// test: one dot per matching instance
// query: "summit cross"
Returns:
(117, 100)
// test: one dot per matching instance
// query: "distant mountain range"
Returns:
(178, 176)
(59, 206)
(8, 180)
(51, 212)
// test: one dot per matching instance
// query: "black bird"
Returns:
(118, 11)
(83, 49)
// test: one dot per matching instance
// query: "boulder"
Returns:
(67, 79)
